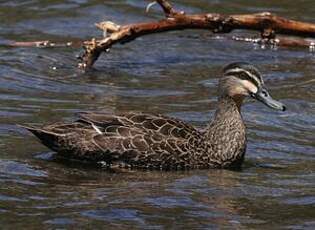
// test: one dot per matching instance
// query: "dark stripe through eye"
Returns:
(245, 76)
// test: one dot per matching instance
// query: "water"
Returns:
(274, 189)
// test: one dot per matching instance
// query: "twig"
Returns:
(167, 8)
(44, 44)
(280, 41)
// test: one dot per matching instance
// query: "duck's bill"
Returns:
(263, 96)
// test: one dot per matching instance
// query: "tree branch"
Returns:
(266, 23)
(280, 41)
(45, 44)
(270, 27)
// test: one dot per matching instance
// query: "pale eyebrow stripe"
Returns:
(251, 76)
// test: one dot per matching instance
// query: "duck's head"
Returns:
(240, 80)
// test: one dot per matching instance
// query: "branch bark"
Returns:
(267, 24)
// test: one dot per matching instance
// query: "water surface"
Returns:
(174, 74)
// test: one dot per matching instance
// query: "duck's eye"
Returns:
(264, 92)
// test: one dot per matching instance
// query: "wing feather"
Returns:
(166, 126)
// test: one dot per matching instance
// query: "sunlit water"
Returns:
(174, 74)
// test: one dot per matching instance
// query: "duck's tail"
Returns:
(48, 138)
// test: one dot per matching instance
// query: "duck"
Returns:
(140, 140)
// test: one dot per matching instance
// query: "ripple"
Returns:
(175, 74)
(60, 221)
(17, 168)
(305, 200)
(114, 214)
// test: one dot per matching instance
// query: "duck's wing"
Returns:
(136, 147)
(145, 149)
(145, 140)
(166, 126)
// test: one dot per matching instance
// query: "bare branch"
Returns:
(280, 25)
(270, 27)
(266, 23)
(279, 42)
(43, 44)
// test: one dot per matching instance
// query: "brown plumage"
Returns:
(155, 141)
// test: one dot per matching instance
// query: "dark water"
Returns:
(174, 74)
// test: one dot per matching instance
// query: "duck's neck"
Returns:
(226, 133)
(228, 109)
